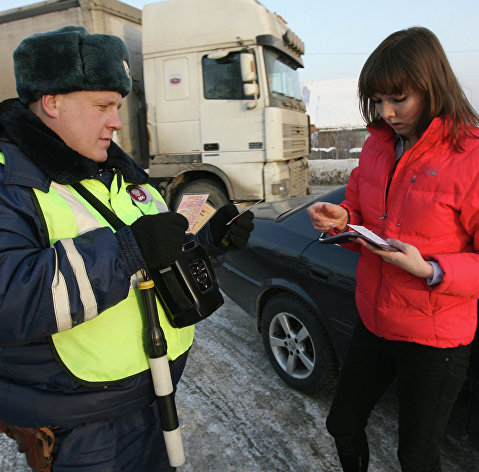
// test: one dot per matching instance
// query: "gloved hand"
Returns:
(160, 238)
(235, 235)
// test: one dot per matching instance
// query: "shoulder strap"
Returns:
(104, 211)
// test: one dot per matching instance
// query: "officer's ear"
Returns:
(49, 105)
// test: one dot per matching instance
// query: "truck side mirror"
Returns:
(248, 69)
(250, 90)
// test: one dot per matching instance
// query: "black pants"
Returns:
(429, 380)
(129, 443)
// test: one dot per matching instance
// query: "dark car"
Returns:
(302, 294)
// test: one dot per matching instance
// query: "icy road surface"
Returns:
(236, 415)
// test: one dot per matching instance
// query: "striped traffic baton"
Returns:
(156, 350)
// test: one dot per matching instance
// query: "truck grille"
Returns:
(299, 175)
(295, 141)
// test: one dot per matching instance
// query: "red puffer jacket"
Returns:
(433, 204)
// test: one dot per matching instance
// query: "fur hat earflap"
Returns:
(70, 59)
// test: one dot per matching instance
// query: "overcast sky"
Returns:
(340, 34)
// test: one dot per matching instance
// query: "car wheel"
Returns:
(297, 345)
(217, 197)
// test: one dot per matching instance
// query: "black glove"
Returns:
(235, 235)
(160, 238)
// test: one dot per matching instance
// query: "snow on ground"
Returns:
(237, 415)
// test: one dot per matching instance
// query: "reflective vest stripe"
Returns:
(61, 302)
(160, 206)
(87, 296)
(85, 222)
(84, 218)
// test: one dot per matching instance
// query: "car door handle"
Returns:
(320, 273)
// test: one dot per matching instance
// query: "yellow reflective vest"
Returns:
(107, 346)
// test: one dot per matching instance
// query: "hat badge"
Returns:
(127, 68)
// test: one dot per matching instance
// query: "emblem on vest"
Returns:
(138, 194)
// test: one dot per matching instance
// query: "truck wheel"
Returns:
(217, 197)
(297, 345)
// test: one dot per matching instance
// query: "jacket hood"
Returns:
(58, 161)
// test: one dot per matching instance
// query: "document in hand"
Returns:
(359, 232)
(244, 211)
(196, 210)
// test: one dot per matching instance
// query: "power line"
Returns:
(459, 51)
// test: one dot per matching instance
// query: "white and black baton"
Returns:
(156, 349)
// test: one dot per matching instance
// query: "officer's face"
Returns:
(86, 121)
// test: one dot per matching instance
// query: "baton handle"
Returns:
(154, 339)
(156, 349)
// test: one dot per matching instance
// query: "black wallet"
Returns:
(346, 237)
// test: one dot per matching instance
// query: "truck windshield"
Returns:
(283, 79)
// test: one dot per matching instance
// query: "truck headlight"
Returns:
(280, 188)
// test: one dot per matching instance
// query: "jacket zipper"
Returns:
(388, 184)
(413, 180)
(383, 217)
(404, 202)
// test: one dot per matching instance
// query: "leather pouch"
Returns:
(188, 290)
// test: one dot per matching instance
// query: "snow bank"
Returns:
(331, 171)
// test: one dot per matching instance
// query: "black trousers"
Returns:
(429, 380)
(130, 443)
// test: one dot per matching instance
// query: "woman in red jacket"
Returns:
(417, 185)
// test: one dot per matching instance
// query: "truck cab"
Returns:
(224, 109)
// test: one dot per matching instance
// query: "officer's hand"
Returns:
(235, 235)
(160, 238)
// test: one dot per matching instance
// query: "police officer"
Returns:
(71, 353)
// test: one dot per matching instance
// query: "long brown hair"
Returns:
(414, 58)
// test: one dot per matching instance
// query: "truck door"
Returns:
(232, 124)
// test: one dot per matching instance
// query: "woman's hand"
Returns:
(408, 257)
(327, 216)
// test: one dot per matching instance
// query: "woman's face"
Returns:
(401, 112)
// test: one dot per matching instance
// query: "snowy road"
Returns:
(236, 415)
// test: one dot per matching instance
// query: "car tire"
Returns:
(217, 197)
(297, 345)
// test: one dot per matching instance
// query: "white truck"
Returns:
(216, 103)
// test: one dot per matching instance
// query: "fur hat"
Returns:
(70, 59)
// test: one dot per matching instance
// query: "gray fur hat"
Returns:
(70, 59)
